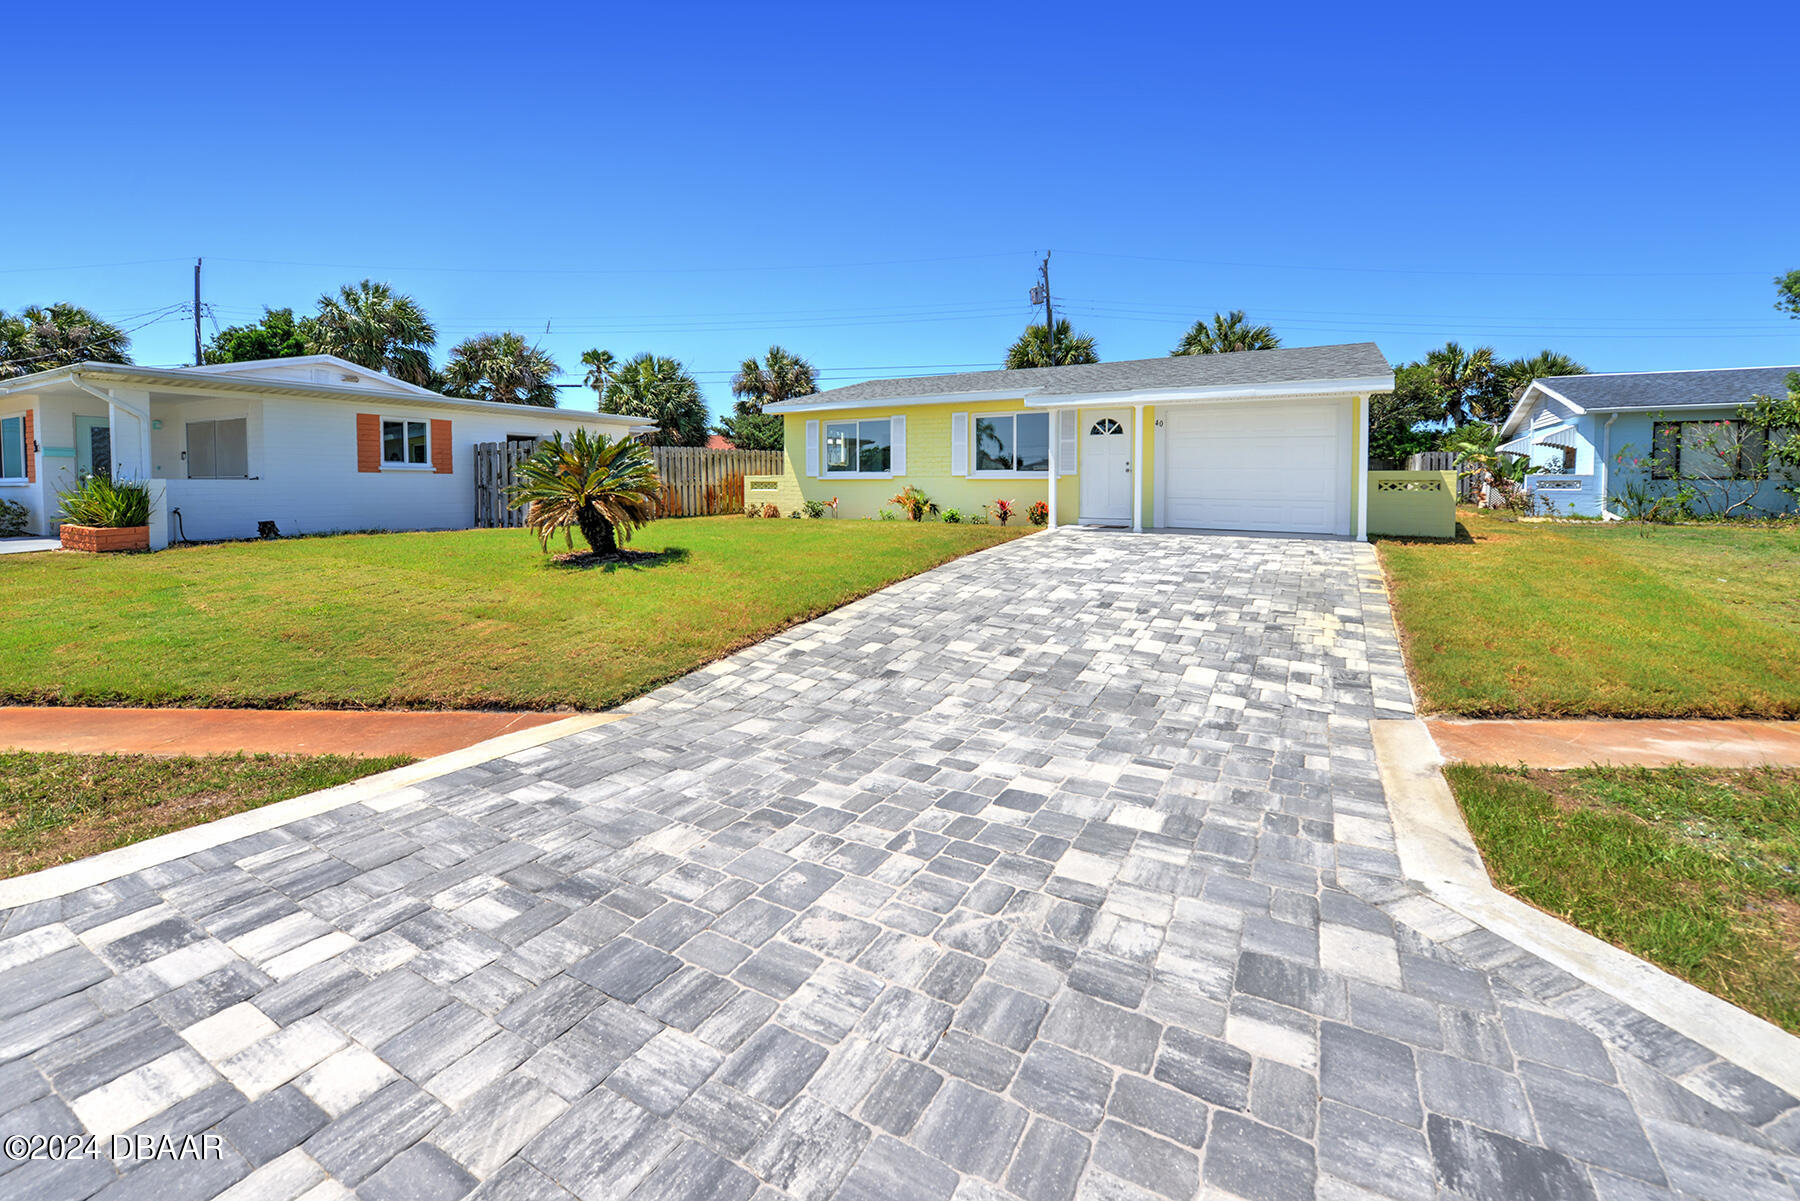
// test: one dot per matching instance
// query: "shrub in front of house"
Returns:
(814, 508)
(103, 515)
(771, 510)
(912, 502)
(13, 516)
(1002, 511)
(953, 516)
(1039, 513)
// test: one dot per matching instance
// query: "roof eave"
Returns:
(807, 405)
(1268, 391)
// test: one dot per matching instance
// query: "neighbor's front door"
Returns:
(1106, 466)
(93, 447)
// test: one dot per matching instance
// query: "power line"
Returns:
(1532, 274)
(947, 258)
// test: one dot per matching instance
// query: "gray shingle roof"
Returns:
(1721, 388)
(1355, 361)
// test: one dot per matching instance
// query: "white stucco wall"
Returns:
(303, 456)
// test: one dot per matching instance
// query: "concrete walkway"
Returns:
(27, 546)
(1062, 871)
(1584, 743)
(253, 731)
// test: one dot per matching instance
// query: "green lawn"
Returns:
(1542, 620)
(463, 619)
(1697, 871)
(55, 808)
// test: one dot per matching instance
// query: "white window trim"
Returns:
(381, 424)
(974, 455)
(19, 481)
(825, 471)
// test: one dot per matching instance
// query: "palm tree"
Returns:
(1071, 348)
(1517, 374)
(39, 339)
(1227, 333)
(1467, 382)
(502, 367)
(602, 486)
(661, 389)
(599, 364)
(369, 324)
(780, 376)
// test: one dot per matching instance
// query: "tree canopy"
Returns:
(780, 375)
(1033, 350)
(501, 367)
(1787, 293)
(599, 364)
(1517, 374)
(1224, 334)
(279, 335)
(372, 325)
(40, 338)
(660, 389)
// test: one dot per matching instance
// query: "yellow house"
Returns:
(1258, 440)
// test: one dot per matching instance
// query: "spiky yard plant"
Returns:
(605, 487)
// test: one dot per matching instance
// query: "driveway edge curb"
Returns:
(65, 878)
(1437, 852)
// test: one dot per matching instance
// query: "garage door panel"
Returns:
(1274, 467)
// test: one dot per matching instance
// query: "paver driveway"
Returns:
(1061, 870)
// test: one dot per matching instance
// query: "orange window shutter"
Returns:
(443, 454)
(368, 442)
(30, 447)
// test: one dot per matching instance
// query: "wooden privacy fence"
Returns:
(697, 481)
(495, 463)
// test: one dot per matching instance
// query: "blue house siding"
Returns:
(1625, 451)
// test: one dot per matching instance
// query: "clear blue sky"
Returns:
(872, 186)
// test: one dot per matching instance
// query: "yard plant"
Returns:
(100, 501)
(454, 619)
(605, 487)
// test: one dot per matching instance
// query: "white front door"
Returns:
(1106, 466)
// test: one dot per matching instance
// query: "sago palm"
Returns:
(1226, 333)
(502, 367)
(371, 325)
(1033, 349)
(604, 487)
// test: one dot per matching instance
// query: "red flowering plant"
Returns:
(1003, 511)
(1039, 513)
(913, 502)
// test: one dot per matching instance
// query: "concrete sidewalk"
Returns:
(1620, 743)
(253, 731)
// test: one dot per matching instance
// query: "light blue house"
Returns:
(1595, 435)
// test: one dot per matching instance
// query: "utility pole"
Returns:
(1041, 292)
(197, 312)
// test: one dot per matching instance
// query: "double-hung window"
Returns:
(403, 443)
(1012, 444)
(13, 449)
(859, 447)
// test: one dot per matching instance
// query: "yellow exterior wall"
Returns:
(927, 466)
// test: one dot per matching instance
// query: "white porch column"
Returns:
(130, 437)
(1055, 437)
(1137, 470)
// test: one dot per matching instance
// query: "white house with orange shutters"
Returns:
(313, 444)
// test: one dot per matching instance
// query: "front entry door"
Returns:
(93, 447)
(1106, 467)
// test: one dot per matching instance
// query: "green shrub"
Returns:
(101, 502)
(814, 508)
(12, 518)
(953, 516)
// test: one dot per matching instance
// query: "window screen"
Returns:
(218, 450)
(12, 448)
(403, 442)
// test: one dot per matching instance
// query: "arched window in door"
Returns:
(1106, 425)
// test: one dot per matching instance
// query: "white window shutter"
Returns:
(812, 448)
(1069, 441)
(959, 444)
(897, 435)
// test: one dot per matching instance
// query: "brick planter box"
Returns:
(100, 538)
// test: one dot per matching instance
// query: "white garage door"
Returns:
(1256, 467)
